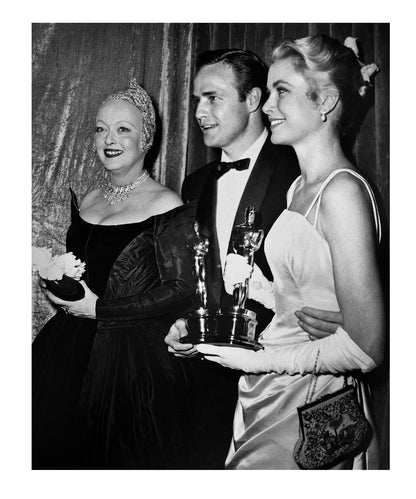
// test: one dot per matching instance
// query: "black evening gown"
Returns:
(116, 399)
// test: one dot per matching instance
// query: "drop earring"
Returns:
(323, 117)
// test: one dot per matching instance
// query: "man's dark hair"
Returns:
(249, 70)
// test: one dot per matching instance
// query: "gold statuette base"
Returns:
(235, 327)
(199, 324)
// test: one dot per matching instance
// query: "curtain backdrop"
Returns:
(75, 66)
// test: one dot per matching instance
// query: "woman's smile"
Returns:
(275, 122)
(112, 153)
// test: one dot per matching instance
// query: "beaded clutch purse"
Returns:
(331, 428)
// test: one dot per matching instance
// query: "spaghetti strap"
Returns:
(291, 191)
(318, 197)
(313, 203)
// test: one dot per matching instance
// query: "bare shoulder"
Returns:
(345, 191)
(169, 199)
(346, 209)
(162, 198)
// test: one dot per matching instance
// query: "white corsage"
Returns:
(54, 268)
(60, 273)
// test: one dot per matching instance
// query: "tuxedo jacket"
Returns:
(273, 173)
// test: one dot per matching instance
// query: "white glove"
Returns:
(338, 353)
(237, 270)
(237, 358)
(261, 289)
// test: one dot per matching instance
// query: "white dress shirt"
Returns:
(230, 189)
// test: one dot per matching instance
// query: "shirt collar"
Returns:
(252, 152)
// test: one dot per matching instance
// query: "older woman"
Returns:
(322, 250)
(132, 410)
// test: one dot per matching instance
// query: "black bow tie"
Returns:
(224, 167)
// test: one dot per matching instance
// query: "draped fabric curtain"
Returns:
(75, 66)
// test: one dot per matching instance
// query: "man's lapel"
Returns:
(257, 185)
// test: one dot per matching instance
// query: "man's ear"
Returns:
(329, 100)
(253, 99)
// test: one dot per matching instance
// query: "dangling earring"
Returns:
(323, 117)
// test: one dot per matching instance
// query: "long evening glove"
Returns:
(338, 354)
(237, 270)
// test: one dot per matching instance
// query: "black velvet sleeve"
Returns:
(153, 276)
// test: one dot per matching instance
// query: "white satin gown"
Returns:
(266, 424)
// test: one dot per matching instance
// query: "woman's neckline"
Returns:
(74, 201)
(301, 216)
(113, 225)
(298, 179)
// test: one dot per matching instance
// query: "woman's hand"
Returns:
(236, 358)
(84, 308)
(236, 271)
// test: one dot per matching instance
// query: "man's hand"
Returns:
(84, 308)
(319, 323)
(176, 332)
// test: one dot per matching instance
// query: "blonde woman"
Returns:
(322, 252)
(131, 233)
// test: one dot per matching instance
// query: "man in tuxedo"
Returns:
(229, 91)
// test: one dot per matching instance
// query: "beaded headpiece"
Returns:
(138, 96)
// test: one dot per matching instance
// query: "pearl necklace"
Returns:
(117, 193)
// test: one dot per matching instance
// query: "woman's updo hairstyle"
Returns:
(326, 63)
(137, 95)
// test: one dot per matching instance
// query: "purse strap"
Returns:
(314, 379)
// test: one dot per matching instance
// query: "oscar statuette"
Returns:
(236, 326)
(198, 322)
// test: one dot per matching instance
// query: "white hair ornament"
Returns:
(367, 70)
